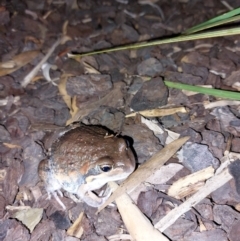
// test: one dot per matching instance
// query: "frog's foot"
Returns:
(55, 195)
(92, 199)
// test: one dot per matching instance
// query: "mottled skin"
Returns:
(83, 159)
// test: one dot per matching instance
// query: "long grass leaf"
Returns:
(213, 20)
(214, 92)
(181, 38)
(211, 25)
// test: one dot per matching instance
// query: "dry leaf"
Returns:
(37, 78)
(17, 62)
(76, 229)
(146, 170)
(64, 29)
(74, 110)
(9, 145)
(63, 91)
(70, 102)
(29, 217)
(190, 184)
(159, 112)
(89, 69)
(138, 226)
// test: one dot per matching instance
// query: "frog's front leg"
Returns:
(52, 184)
(55, 195)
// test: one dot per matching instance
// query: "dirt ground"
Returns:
(104, 90)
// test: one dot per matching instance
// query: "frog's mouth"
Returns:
(94, 198)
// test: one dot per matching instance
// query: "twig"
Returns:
(34, 71)
(211, 185)
(138, 226)
(221, 103)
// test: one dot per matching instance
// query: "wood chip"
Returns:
(189, 184)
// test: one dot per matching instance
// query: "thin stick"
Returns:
(221, 103)
(211, 185)
(34, 71)
(138, 226)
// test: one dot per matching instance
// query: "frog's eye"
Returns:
(105, 168)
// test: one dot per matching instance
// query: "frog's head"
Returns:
(115, 162)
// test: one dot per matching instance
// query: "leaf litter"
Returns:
(41, 107)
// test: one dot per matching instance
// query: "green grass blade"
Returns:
(181, 38)
(225, 94)
(205, 25)
(211, 25)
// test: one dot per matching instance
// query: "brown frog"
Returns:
(83, 159)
